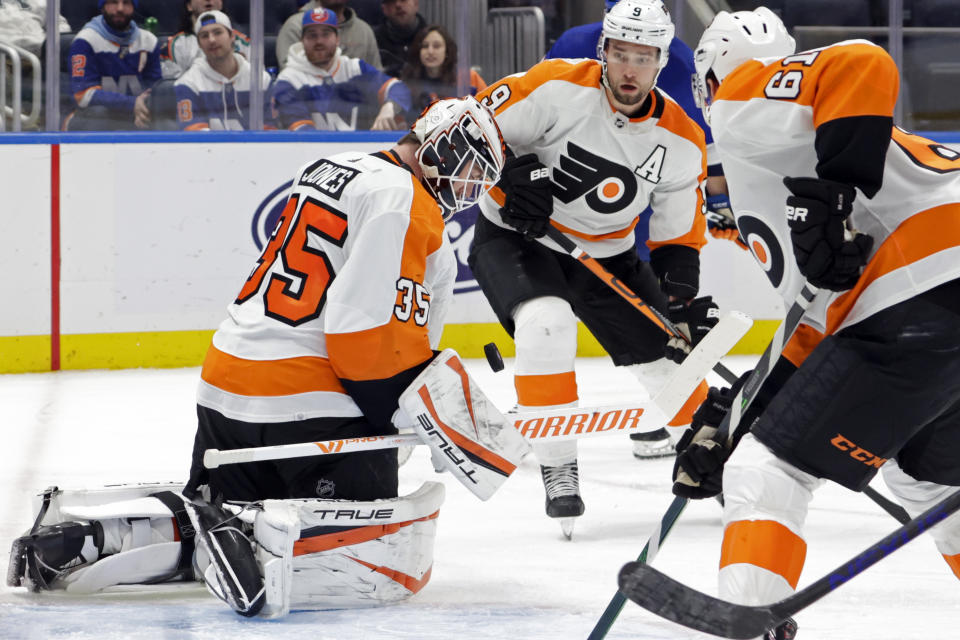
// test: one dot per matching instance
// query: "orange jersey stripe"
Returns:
(585, 73)
(840, 81)
(476, 81)
(407, 581)
(546, 390)
(918, 237)
(301, 123)
(282, 377)
(622, 233)
(675, 120)
(386, 350)
(498, 196)
(804, 340)
(765, 544)
(358, 535)
(685, 415)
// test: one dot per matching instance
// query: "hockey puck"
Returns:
(494, 359)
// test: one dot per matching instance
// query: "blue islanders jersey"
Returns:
(207, 99)
(346, 98)
(109, 74)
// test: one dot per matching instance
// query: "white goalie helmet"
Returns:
(732, 39)
(461, 151)
(640, 22)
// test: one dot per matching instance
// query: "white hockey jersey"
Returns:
(765, 119)
(353, 284)
(605, 167)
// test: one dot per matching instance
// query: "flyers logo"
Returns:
(608, 186)
(764, 245)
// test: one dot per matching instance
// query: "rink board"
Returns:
(153, 235)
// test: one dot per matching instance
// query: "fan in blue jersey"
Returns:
(113, 65)
(214, 93)
(320, 88)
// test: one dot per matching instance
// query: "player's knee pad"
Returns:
(916, 496)
(325, 554)
(765, 505)
(85, 540)
(546, 336)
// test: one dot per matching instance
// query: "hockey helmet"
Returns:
(640, 22)
(732, 39)
(461, 151)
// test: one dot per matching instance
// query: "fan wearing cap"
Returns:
(214, 93)
(113, 65)
(356, 35)
(320, 88)
(182, 48)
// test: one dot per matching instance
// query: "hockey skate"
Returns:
(786, 631)
(652, 444)
(562, 485)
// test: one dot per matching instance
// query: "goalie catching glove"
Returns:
(817, 213)
(692, 318)
(528, 203)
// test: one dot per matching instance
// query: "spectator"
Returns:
(396, 33)
(322, 89)
(356, 36)
(214, 93)
(431, 71)
(113, 65)
(182, 48)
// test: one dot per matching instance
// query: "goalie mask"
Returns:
(644, 22)
(461, 152)
(732, 39)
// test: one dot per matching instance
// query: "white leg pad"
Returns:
(916, 496)
(324, 554)
(136, 566)
(545, 333)
(759, 486)
(654, 377)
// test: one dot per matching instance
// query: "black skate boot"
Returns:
(233, 574)
(562, 486)
(652, 444)
(786, 631)
(48, 553)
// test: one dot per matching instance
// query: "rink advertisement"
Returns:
(128, 249)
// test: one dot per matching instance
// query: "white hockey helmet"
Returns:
(461, 151)
(640, 22)
(733, 38)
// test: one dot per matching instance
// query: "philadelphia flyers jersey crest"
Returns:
(606, 168)
(766, 118)
(353, 284)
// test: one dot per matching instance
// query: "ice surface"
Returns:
(501, 568)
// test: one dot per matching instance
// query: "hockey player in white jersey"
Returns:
(593, 143)
(826, 190)
(340, 314)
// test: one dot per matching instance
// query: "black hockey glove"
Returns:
(694, 319)
(526, 184)
(816, 213)
(698, 469)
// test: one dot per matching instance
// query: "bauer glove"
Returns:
(692, 318)
(817, 213)
(525, 182)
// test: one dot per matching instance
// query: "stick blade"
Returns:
(664, 596)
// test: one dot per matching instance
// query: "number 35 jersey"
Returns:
(828, 113)
(351, 289)
(606, 168)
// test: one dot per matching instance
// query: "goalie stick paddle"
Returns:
(674, 601)
(741, 402)
(657, 318)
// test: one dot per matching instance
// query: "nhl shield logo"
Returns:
(326, 488)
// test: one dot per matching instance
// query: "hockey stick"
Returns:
(553, 424)
(740, 403)
(674, 601)
(657, 318)
(888, 505)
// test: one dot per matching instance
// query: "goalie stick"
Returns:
(674, 601)
(657, 318)
(740, 403)
(554, 424)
